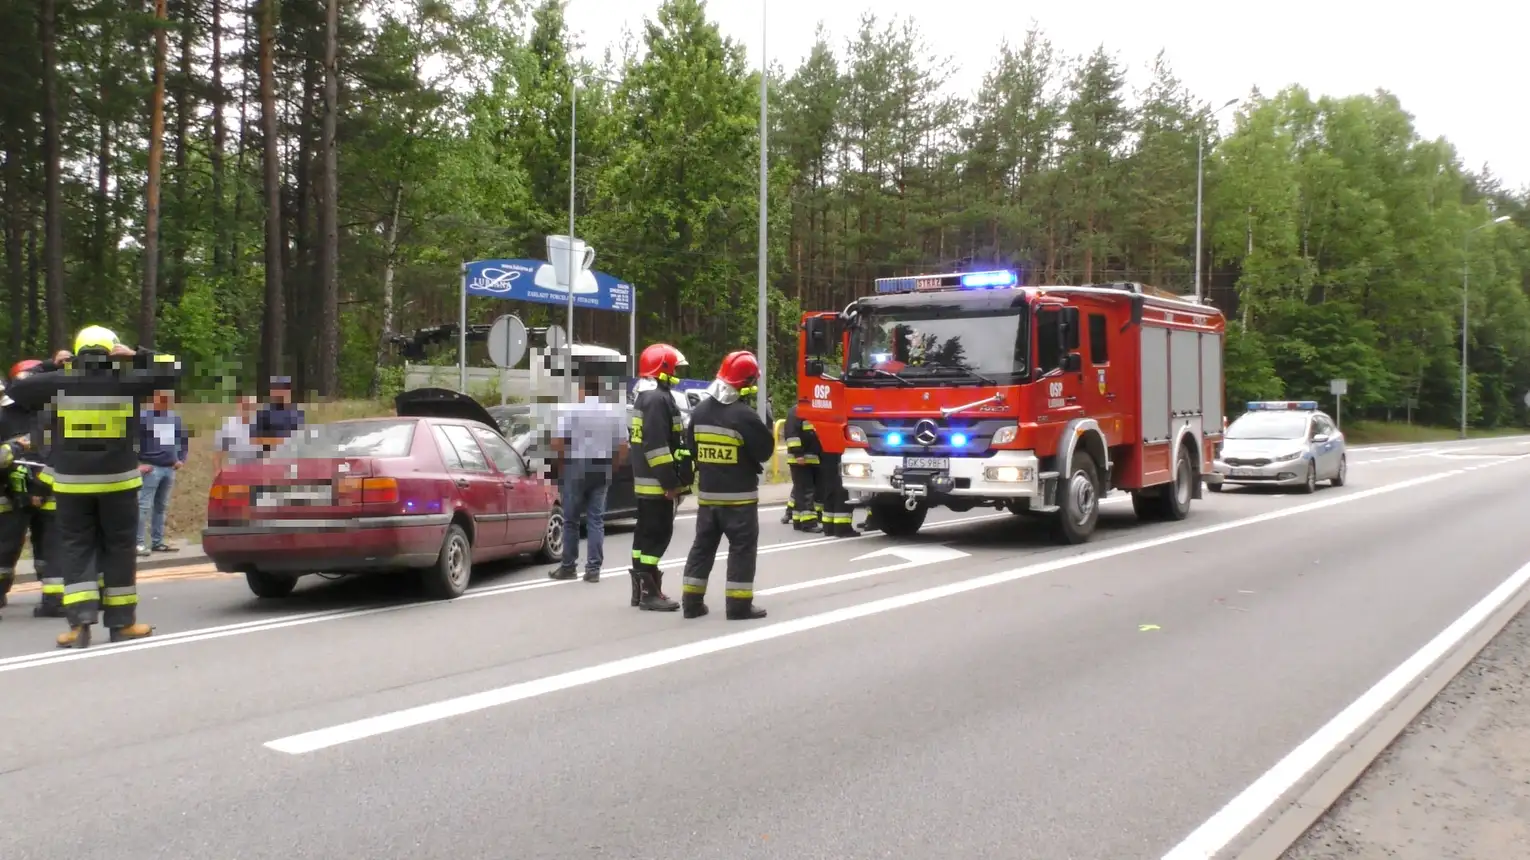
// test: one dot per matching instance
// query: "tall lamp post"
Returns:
(1466, 280)
(573, 266)
(763, 403)
(1200, 172)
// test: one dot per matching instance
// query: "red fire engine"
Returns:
(968, 390)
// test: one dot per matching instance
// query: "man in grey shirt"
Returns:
(590, 441)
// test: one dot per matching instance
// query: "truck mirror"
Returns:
(814, 368)
(817, 336)
(1072, 362)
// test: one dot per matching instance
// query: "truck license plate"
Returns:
(938, 464)
(1242, 473)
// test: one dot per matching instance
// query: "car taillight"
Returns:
(230, 494)
(368, 491)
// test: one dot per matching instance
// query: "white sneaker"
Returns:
(143, 551)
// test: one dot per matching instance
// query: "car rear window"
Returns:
(349, 439)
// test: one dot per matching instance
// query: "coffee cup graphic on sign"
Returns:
(564, 253)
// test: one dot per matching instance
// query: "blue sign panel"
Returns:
(536, 281)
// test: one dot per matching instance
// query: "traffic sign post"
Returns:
(1338, 388)
(507, 346)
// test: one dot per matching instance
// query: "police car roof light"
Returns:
(999, 279)
(1282, 405)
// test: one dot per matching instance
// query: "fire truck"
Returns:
(970, 390)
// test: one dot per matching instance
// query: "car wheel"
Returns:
(1079, 500)
(552, 537)
(1311, 485)
(269, 586)
(448, 577)
(1343, 473)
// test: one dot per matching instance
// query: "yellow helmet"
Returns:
(94, 337)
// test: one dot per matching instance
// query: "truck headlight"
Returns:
(1005, 435)
(1009, 474)
(855, 470)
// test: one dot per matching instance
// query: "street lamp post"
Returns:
(763, 403)
(1200, 170)
(1466, 280)
(573, 269)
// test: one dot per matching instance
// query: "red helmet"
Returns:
(660, 361)
(24, 366)
(739, 369)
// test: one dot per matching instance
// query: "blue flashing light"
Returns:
(984, 280)
(895, 439)
(958, 439)
(1282, 405)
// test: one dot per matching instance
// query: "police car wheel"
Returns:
(1311, 485)
(269, 586)
(1342, 474)
(448, 577)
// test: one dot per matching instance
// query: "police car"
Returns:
(1282, 443)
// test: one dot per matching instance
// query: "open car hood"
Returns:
(442, 403)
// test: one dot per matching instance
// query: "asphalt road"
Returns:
(974, 692)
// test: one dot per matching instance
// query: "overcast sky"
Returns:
(1460, 68)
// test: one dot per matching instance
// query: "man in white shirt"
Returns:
(233, 442)
(590, 440)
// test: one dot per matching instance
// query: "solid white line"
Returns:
(433, 712)
(187, 637)
(1256, 801)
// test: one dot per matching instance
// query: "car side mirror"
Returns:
(1320, 438)
(814, 367)
(1072, 362)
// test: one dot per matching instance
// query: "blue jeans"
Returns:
(153, 499)
(584, 488)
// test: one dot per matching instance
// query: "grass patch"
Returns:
(1395, 432)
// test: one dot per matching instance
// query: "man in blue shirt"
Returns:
(278, 419)
(162, 449)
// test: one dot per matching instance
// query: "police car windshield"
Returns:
(348, 439)
(939, 344)
(1269, 425)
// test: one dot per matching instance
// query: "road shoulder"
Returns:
(1455, 785)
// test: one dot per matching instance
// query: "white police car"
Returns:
(1282, 443)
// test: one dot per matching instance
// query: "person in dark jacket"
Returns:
(28, 502)
(731, 445)
(278, 419)
(162, 450)
(802, 452)
(95, 403)
(661, 471)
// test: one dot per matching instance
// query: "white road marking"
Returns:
(1212, 837)
(913, 556)
(410, 717)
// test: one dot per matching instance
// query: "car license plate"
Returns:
(1243, 473)
(294, 496)
(937, 464)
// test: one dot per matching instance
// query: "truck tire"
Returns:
(448, 577)
(1174, 500)
(269, 586)
(1078, 497)
(897, 521)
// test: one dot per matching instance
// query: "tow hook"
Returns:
(909, 503)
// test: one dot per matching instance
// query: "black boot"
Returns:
(658, 583)
(653, 599)
(637, 586)
(743, 609)
(695, 604)
(786, 516)
(561, 572)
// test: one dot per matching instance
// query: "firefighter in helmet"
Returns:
(802, 450)
(95, 403)
(661, 471)
(731, 444)
(26, 501)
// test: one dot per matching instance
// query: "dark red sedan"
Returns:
(432, 490)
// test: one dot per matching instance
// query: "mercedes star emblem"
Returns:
(924, 432)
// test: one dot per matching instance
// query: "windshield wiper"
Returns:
(877, 371)
(951, 368)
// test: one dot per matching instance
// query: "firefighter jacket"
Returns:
(731, 445)
(802, 446)
(95, 404)
(23, 484)
(660, 461)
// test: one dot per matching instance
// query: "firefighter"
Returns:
(94, 468)
(661, 472)
(802, 451)
(731, 444)
(830, 494)
(27, 503)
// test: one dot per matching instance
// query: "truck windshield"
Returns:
(943, 344)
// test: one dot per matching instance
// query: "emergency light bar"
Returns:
(1282, 405)
(956, 281)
